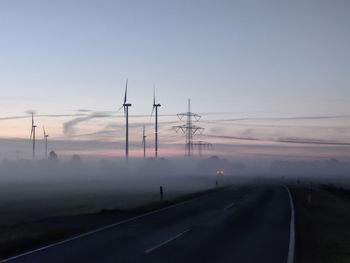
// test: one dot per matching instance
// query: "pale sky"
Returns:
(261, 66)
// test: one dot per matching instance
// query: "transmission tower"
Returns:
(202, 145)
(189, 129)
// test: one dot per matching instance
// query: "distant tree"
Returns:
(53, 157)
(76, 160)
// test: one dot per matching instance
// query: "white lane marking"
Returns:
(166, 241)
(291, 249)
(229, 206)
(100, 229)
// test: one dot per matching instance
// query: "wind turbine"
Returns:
(45, 138)
(144, 141)
(126, 112)
(32, 135)
(155, 107)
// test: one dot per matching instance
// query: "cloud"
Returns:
(116, 130)
(69, 126)
(62, 115)
(83, 110)
(232, 137)
(14, 118)
(312, 141)
(278, 118)
(283, 140)
(30, 112)
(41, 115)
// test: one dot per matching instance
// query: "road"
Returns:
(237, 224)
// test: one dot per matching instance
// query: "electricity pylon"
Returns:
(189, 129)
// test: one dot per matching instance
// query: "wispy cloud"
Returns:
(282, 140)
(41, 115)
(256, 132)
(116, 130)
(14, 117)
(232, 137)
(278, 118)
(69, 127)
(312, 141)
(83, 110)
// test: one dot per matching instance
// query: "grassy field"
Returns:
(322, 225)
(31, 199)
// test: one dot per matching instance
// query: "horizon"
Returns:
(270, 80)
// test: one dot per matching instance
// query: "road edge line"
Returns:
(291, 249)
(101, 229)
(166, 241)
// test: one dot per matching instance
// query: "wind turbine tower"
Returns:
(126, 112)
(45, 138)
(144, 141)
(32, 135)
(189, 129)
(155, 108)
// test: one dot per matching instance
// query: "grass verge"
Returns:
(161, 204)
(31, 235)
(322, 225)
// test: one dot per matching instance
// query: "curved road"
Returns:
(243, 224)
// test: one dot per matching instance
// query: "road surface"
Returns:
(237, 224)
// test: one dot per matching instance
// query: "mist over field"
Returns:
(34, 190)
(48, 188)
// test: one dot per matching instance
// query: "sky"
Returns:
(270, 78)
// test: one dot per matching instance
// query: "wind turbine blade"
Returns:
(120, 108)
(154, 94)
(154, 102)
(31, 131)
(152, 113)
(126, 91)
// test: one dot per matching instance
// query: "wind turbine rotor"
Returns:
(143, 136)
(33, 126)
(45, 134)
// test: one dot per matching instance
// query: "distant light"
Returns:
(220, 172)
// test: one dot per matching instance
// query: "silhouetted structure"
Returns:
(126, 112)
(53, 157)
(155, 107)
(202, 145)
(76, 160)
(189, 129)
(32, 135)
(144, 141)
(161, 193)
(45, 138)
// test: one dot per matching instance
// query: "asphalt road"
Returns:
(238, 224)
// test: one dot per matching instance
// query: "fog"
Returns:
(34, 190)
(47, 188)
(329, 171)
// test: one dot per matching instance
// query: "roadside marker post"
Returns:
(161, 193)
